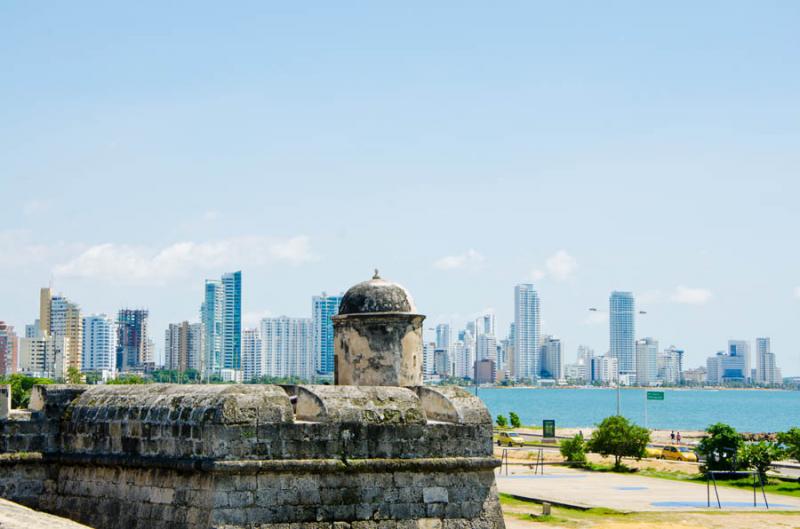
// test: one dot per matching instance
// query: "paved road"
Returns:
(631, 493)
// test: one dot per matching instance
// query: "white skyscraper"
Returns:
(646, 361)
(287, 347)
(767, 371)
(183, 346)
(252, 364)
(99, 348)
(622, 331)
(526, 332)
(551, 362)
(44, 356)
(487, 347)
(443, 336)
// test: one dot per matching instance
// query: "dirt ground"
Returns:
(551, 456)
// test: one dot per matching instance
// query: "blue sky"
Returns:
(460, 148)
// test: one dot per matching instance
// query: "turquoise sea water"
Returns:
(747, 411)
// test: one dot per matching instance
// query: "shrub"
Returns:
(720, 448)
(501, 421)
(574, 450)
(21, 386)
(791, 442)
(759, 456)
(514, 418)
(618, 437)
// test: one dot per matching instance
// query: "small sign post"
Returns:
(548, 428)
(651, 395)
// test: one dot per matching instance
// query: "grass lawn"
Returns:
(775, 485)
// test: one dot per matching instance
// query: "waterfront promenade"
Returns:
(630, 493)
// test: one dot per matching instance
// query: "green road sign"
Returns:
(655, 395)
(548, 428)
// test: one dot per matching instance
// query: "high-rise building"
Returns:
(551, 361)
(132, 340)
(526, 332)
(59, 317)
(211, 315)
(232, 320)
(767, 371)
(221, 316)
(44, 356)
(33, 330)
(738, 369)
(441, 362)
(485, 372)
(488, 326)
(323, 308)
(486, 347)
(670, 365)
(252, 365)
(646, 361)
(99, 348)
(622, 331)
(428, 349)
(287, 347)
(9, 351)
(183, 346)
(605, 369)
(443, 336)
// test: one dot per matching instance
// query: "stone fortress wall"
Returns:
(231, 456)
(379, 451)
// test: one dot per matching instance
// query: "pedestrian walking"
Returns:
(679, 437)
(672, 436)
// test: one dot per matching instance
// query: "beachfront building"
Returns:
(287, 347)
(694, 377)
(44, 356)
(428, 349)
(646, 361)
(767, 372)
(99, 347)
(252, 365)
(605, 370)
(527, 329)
(9, 349)
(551, 361)
(622, 339)
(221, 316)
(670, 366)
(133, 346)
(441, 362)
(731, 366)
(323, 308)
(183, 346)
(443, 336)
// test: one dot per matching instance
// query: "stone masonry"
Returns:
(163, 456)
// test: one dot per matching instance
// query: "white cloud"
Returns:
(142, 265)
(537, 274)
(691, 296)
(470, 259)
(561, 265)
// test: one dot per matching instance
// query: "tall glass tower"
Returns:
(527, 328)
(622, 331)
(232, 320)
(323, 308)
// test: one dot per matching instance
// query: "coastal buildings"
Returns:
(44, 356)
(767, 372)
(60, 317)
(183, 346)
(323, 308)
(221, 316)
(9, 349)
(605, 370)
(646, 361)
(133, 346)
(252, 360)
(551, 360)
(99, 348)
(527, 329)
(287, 347)
(443, 336)
(622, 331)
(670, 366)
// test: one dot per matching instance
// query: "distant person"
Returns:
(679, 437)
(672, 436)
(580, 433)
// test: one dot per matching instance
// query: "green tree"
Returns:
(127, 379)
(21, 386)
(791, 442)
(501, 421)
(514, 418)
(759, 456)
(720, 448)
(618, 437)
(574, 449)
(74, 375)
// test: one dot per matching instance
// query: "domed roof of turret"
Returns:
(377, 295)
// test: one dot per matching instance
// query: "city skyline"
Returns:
(585, 151)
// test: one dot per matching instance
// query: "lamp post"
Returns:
(595, 309)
